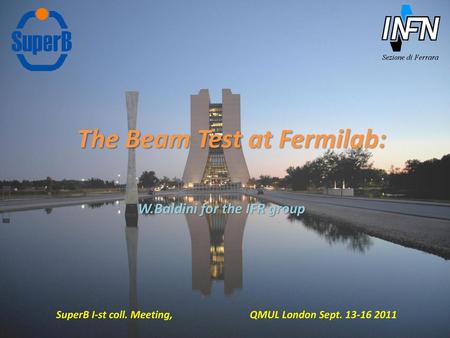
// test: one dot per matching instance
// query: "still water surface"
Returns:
(210, 272)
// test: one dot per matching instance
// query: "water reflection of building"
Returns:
(216, 243)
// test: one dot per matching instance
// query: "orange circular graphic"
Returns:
(41, 14)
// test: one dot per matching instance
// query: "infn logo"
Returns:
(39, 44)
(398, 28)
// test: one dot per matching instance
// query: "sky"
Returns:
(310, 66)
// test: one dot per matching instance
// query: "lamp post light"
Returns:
(118, 180)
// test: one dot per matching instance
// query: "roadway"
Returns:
(403, 207)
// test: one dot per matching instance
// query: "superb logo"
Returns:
(38, 44)
(405, 24)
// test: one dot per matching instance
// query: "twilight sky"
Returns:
(311, 66)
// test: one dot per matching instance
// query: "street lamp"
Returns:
(118, 180)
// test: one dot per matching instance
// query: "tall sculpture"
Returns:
(131, 198)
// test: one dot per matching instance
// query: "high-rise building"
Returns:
(215, 167)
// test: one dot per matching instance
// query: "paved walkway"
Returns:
(54, 202)
(404, 207)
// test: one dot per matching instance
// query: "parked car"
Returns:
(260, 191)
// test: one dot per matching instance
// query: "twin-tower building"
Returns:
(211, 168)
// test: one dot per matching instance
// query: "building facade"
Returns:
(215, 167)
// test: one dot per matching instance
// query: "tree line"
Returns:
(148, 179)
(427, 179)
(50, 184)
(352, 168)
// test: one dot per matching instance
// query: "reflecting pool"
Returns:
(210, 272)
